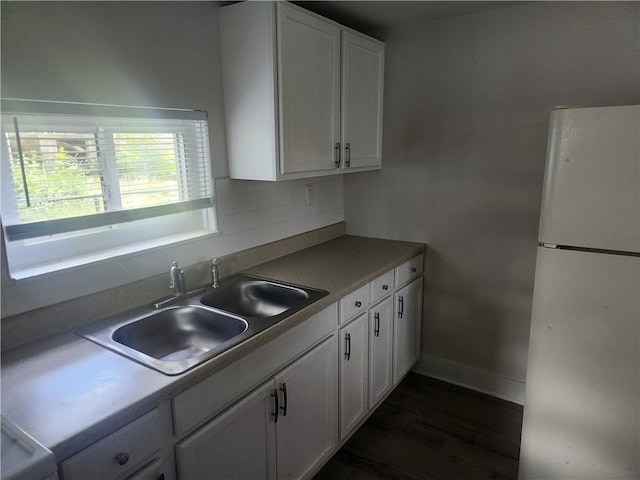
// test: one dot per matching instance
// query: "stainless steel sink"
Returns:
(179, 333)
(198, 327)
(172, 340)
(255, 298)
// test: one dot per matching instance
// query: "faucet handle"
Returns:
(215, 262)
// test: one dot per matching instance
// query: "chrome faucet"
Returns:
(177, 283)
(215, 273)
(178, 288)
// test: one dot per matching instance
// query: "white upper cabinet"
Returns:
(309, 91)
(362, 89)
(303, 95)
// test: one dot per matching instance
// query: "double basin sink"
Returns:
(198, 326)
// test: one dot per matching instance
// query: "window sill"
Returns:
(112, 254)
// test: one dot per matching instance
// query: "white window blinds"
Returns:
(71, 167)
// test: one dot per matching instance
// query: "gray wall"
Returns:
(467, 103)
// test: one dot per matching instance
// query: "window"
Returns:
(81, 182)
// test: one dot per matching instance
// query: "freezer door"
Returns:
(591, 194)
(582, 402)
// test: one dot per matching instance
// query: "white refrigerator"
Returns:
(582, 401)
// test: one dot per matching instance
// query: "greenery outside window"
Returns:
(80, 180)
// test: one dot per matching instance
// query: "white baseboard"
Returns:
(474, 378)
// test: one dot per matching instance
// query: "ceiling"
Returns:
(372, 15)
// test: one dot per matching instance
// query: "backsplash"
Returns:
(252, 213)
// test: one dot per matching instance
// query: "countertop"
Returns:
(68, 392)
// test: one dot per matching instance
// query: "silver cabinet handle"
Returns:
(358, 303)
(376, 328)
(414, 269)
(385, 287)
(400, 306)
(347, 346)
(285, 402)
(337, 159)
(347, 153)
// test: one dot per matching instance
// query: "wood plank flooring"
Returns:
(428, 429)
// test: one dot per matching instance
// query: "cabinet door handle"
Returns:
(347, 346)
(275, 414)
(122, 458)
(400, 306)
(414, 269)
(376, 328)
(385, 287)
(347, 154)
(358, 303)
(283, 389)
(336, 158)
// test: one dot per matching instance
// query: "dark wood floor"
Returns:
(428, 429)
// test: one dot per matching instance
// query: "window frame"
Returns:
(80, 240)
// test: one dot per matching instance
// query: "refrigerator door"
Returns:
(591, 194)
(582, 402)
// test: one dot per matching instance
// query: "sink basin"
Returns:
(179, 333)
(171, 340)
(255, 298)
(197, 327)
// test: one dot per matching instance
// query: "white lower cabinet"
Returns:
(285, 429)
(407, 328)
(354, 361)
(239, 444)
(380, 351)
(307, 423)
(277, 412)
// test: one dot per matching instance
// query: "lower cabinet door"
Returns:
(407, 328)
(380, 351)
(353, 361)
(238, 444)
(306, 428)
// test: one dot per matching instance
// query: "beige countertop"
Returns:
(68, 392)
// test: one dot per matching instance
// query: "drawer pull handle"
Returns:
(122, 458)
(414, 269)
(358, 303)
(385, 287)
(376, 328)
(400, 306)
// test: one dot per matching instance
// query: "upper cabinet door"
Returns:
(309, 90)
(362, 97)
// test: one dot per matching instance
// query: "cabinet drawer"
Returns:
(381, 286)
(354, 303)
(409, 270)
(117, 454)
